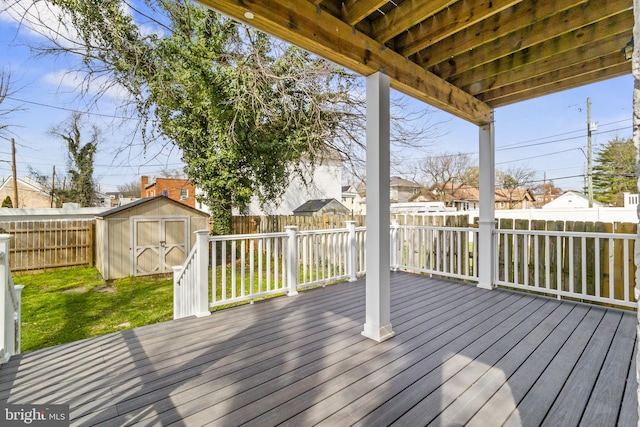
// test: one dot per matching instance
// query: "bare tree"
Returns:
(514, 179)
(446, 172)
(130, 189)
(5, 92)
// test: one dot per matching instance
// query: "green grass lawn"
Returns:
(71, 304)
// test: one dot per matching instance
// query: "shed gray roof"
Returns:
(144, 201)
(313, 205)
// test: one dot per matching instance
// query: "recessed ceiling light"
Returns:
(249, 15)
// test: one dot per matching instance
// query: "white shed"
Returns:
(147, 236)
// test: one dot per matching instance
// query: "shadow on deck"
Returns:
(461, 356)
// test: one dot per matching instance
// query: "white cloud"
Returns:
(39, 18)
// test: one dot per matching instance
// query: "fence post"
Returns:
(395, 225)
(292, 259)
(178, 295)
(352, 260)
(18, 317)
(201, 287)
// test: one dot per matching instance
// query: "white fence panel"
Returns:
(591, 267)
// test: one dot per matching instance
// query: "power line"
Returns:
(535, 157)
(57, 107)
(556, 140)
(561, 134)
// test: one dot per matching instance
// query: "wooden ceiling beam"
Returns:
(593, 70)
(406, 15)
(354, 11)
(571, 59)
(459, 16)
(513, 29)
(304, 25)
(617, 71)
(581, 45)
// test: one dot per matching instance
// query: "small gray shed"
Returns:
(321, 207)
(147, 236)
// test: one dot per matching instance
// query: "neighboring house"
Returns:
(402, 190)
(571, 199)
(321, 207)
(467, 198)
(324, 181)
(102, 200)
(178, 189)
(352, 200)
(520, 198)
(31, 194)
(461, 198)
(116, 199)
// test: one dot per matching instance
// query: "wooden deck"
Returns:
(461, 356)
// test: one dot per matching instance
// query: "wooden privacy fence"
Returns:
(38, 245)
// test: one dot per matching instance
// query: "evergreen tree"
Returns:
(614, 171)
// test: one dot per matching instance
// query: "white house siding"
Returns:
(325, 182)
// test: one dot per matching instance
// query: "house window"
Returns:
(501, 204)
(184, 194)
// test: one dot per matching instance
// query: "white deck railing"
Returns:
(595, 267)
(221, 270)
(444, 251)
(10, 296)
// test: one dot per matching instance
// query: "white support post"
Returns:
(395, 225)
(378, 282)
(202, 274)
(486, 220)
(292, 259)
(635, 70)
(352, 257)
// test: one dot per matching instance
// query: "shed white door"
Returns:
(158, 245)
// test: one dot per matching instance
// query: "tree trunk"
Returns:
(221, 218)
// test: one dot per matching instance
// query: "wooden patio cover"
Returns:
(465, 57)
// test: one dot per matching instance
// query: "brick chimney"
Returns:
(144, 180)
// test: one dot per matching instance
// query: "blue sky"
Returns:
(545, 134)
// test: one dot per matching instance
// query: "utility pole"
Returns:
(544, 189)
(53, 184)
(15, 174)
(590, 127)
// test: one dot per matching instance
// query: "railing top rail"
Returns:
(186, 262)
(591, 234)
(225, 237)
(326, 231)
(437, 227)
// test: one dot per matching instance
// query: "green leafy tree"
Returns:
(82, 186)
(245, 109)
(614, 171)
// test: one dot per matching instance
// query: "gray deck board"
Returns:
(461, 355)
